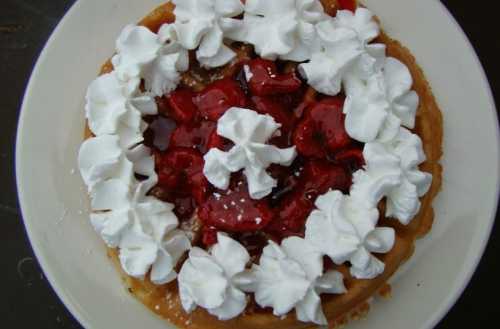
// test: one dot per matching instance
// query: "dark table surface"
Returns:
(28, 301)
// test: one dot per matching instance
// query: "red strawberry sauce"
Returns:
(185, 130)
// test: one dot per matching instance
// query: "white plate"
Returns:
(54, 202)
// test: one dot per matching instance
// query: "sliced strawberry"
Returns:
(218, 97)
(351, 158)
(316, 178)
(209, 236)
(194, 136)
(267, 105)
(182, 108)
(307, 101)
(180, 170)
(347, 5)
(307, 141)
(233, 210)
(264, 79)
(292, 216)
(276, 109)
(322, 129)
(216, 141)
(320, 176)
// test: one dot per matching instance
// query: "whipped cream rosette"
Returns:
(392, 172)
(210, 280)
(203, 24)
(158, 58)
(291, 276)
(249, 131)
(284, 29)
(344, 51)
(345, 230)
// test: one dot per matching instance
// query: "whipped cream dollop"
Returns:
(157, 58)
(283, 29)
(142, 227)
(376, 107)
(291, 276)
(343, 51)
(204, 24)
(211, 280)
(115, 107)
(345, 230)
(392, 171)
(102, 158)
(249, 131)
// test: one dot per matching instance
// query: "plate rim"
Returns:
(448, 302)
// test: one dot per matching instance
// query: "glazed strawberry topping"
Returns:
(234, 211)
(182, 108)
(195, 136)
(186, 129)
(218, 97)
(276, 109)
(350, 158)
(180, 171)
(347, 4)
(316, 177)
(322, 132)
(209, 235)
(266, 80)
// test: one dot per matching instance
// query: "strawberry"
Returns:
(182, 108)
(319, 176)
(194, 136)
(316, 178)
(216, 141)
(276, 109)
(265, 79)
(267, 105)
(233, 210)
(209, 235)
(322, 129)
(218, 97)
(350, 158)
(180, 170)
(347, 5)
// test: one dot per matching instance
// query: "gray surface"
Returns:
(27, 300)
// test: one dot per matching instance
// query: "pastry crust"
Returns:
(164, 300)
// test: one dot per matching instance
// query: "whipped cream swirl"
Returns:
(291, 276)
(283, 29)
(249, 131)
(115, 107)
(142, 227)
(204, 24)
(375, 108)
(211, 280)
(344, 51)
(345, 230)
(157, 58)
(392, 171)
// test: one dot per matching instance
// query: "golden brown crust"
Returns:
(164, 300)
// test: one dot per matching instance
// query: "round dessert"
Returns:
(260, 164)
